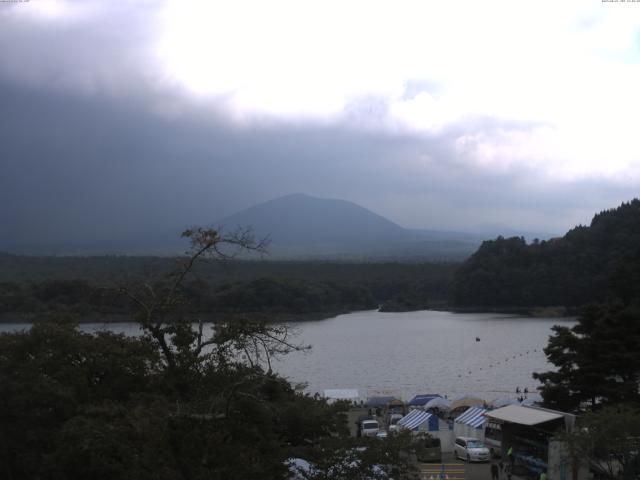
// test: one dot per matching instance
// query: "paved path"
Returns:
(448, 471)
(455, 469)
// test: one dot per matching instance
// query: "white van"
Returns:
(471, 450)
(369, 428)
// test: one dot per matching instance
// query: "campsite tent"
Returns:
(396, 406)
(466, 401)
(422, 399)
(419, 421)
(470, 423)
(503, 402)
(532, 401)
(438, 403)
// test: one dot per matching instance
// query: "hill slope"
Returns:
(300, 227)
(589, 264)
(304, 226)
(304, 220)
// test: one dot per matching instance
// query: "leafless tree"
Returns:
(182, 343)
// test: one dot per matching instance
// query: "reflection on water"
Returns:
(410, 353)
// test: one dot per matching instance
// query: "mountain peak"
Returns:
(300, 219)
(300, 225)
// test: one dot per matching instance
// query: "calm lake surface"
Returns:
(422, 352)
(413, 352)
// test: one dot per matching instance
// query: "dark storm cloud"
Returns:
(78, 170)
(95, 148)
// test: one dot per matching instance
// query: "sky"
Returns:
(122, 118)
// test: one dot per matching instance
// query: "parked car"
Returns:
(428, 449)
(368, 427)
(393, 422)
(471, 449)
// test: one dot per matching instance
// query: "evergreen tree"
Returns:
(597, 360)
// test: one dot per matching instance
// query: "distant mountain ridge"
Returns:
(301, 219)
(302, 226)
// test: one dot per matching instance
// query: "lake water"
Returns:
(413, 352)
(422, 352)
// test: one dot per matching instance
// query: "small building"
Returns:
(531, 434)
(470, 423)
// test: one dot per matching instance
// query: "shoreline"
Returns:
(108, 318)
(274, 317)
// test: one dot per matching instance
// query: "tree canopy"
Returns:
(597, 360)
(589, 264)
(610, 440)
(176, 402)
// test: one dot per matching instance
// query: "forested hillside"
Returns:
(181, 401)
(589, 264)
(88, 286)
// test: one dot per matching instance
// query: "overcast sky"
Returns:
(123, 117)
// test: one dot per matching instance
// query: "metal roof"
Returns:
(474, 417)
(414, 419)
(523, 415)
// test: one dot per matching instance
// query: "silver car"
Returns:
(471, 450)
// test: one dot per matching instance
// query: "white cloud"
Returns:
(566, 73)
(571, 66)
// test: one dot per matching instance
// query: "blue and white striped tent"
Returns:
(419, 420)
(470, 423)
(474, 417)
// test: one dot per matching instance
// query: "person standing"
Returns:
(494, 471)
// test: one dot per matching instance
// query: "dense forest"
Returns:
(589, 264)
(179, 402)
(90, 286)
